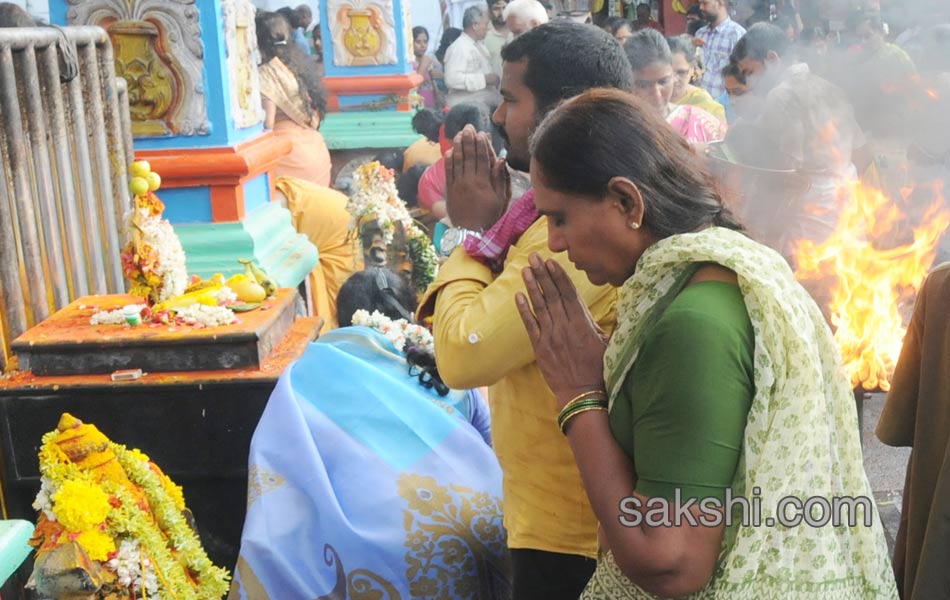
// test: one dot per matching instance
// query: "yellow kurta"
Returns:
(320, 213)
(420, 152)
(480, 340)
(701, 98)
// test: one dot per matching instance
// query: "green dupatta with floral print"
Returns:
(801, 438)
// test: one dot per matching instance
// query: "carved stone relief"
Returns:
(363, 31)
(159, 52)
(241, 46)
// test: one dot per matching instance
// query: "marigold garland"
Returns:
(107, 512)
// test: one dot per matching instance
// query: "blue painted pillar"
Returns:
(196, 117)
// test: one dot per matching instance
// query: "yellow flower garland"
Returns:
(130, 520)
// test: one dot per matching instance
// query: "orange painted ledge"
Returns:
(381, 84)
(229, 165)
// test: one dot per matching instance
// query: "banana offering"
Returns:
(257, 274)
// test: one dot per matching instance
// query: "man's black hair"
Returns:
(566, 58)
(427, 122)
(291, 16)
(461, 115)
(408, 185)
(391, 159)
(758, 41)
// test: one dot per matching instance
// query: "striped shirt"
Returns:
(720, 41)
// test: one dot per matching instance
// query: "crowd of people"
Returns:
(637, 336)
(613, 346)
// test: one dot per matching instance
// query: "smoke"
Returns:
(885, 118)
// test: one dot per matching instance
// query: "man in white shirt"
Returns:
(498, 34)
(468, 72)
(524, 15)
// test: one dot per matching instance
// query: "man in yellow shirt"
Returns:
(479, 337)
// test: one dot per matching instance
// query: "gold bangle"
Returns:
(570, 409)
(591, 394)
(577, 412)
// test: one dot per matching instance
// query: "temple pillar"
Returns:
(196, 117)
(367, 57)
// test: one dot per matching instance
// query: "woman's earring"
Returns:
(634, 225)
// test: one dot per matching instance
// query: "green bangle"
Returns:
(567, 420)
(576, 407)
(570, 409)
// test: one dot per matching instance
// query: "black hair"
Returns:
(291, 16)
(427, 122)
(408, 184)
(375, 288)
(422, 364)
(448, 37)
(565, 58)
(614, 24)
(758, 41)
(601, 134)
(695, 25)
(303, 11)
(647, 47)
(461, 115)
(419, 30)
(491, 3)
(274, 40)
(378, 289)
(391, 159)
(784, 22)
(732, 70)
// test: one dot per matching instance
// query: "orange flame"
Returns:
(870, 284)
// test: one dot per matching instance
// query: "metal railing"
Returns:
(65, 145)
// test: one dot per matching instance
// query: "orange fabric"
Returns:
(320, 213)
(309, 159)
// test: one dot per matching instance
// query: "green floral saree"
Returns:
(801, 438)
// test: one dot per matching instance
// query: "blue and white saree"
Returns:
(364, 484)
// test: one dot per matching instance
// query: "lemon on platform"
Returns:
(154, 181)
(139, 186)
(140, 168)
(246, 289)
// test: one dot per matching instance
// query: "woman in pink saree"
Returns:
(653, 81)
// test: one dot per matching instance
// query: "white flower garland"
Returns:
(375, 195)
(44, 499)
(160, 235)
(400, 332)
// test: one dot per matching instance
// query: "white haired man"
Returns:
(524, 15)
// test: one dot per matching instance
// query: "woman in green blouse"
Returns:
(721, 379)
